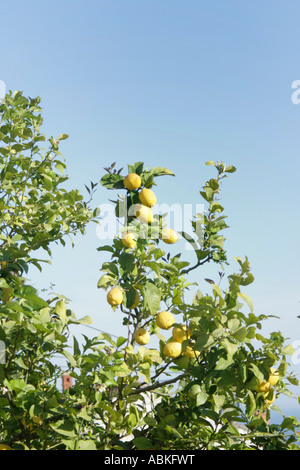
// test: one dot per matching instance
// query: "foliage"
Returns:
(126, 396)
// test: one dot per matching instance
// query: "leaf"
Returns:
(64, 427)
(152, 297)
(240, 334)
(136, 168)
(142, 443)
(63, 137)
(247, 299)
(86, 445)
(201, 398)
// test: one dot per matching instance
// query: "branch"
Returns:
(158, 384)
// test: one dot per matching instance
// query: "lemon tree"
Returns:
(183, 372)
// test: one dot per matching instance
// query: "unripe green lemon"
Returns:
(115, 296)
(172, 349)
(132, 181)
(142, 336)
(194, 390)
(147, 197)
(165, 320)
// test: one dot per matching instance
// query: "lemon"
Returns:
(194, 390)
(169, 236)
(132, 181)
(269, 397)
(143, 213)
(3, 265)
(263, 386)
(136, 300)
(128, 240)
(142, 336)
(273, 377)
(5, 447)
(115, 296)
(147, 197)
(165, 320)
(172, 349)
(190, 352)
(7, 297)
(181, 333)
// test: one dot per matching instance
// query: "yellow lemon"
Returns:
(143, 213)
(165, 320)
(269, 397)
(142, 336)
(263, 386)
(172, 349)
(136, 300)
(181, 333)
(3, 265)
(5, 447)
(273, 377)
(7, 297)
(147, 197)
(132, 181)
(128, 240)
(169, 236)
(115, 296)
(190, 352)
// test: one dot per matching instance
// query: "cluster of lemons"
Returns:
(266, 386)
(143, 211)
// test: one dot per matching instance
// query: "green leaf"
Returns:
(152, 297)
(247, 299)
(64, 427)
(142, 443)
(201, 398)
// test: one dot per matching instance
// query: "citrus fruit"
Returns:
(269, 397)
(128, 240)
(115, 296)
(194, 390)
(169, 236)
(172, 349)
(143, 213)
(273, 377)
(5, 447)
(190, 352)
(132, 181)
(181, 333)
(147, 197)
(142, 336)
(263, 386)
(165, 320)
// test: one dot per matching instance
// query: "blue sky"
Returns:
(173, 84)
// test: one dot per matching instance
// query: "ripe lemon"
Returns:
(263, 386)
(181, 333)
(128, 240)
(136, 300)
(147, 197)
(7, 297)
(190, 352)
(115, 296)
(5, 447)
(3, 265)
(132, 181)
(142, 336)
(143, 213)
(169, 236)
(273, 377)
(269, 397)
(165, 320)
(172, 349)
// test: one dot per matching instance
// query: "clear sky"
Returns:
(172, 83)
